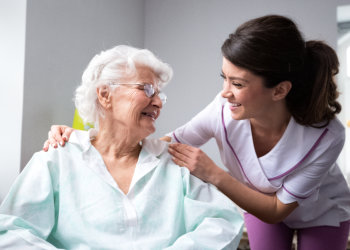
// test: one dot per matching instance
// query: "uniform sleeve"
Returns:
(27, 215)
(303, 185)
(212, 220)
(200, 128)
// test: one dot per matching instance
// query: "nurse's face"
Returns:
(245, 91)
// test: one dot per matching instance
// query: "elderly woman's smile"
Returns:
(152, 114)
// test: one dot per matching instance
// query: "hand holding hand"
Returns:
(195, 160)
(58, 134)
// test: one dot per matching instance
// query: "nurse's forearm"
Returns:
(264, 206)
(165, 138)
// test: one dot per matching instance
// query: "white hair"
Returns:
(113, 65)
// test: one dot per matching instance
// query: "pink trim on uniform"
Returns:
(308, 153)
(296, 196)
(176, 138)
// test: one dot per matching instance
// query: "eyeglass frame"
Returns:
(145, 89)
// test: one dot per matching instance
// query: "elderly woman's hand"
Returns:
(58, 134)
(195, 160)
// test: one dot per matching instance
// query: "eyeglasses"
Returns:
(148, 88)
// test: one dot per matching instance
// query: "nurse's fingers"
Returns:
(179, 162)
(49, 142)
(183, 149)
(178, 155)
(59, 134)
(67, 132)
(52, 141)
(46, 145)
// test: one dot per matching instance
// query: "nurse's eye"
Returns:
(222, 76)
(236, 84)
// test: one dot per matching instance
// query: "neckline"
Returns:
(286, 131)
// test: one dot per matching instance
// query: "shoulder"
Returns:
(333, 133)
(78, 142)
(336, 129)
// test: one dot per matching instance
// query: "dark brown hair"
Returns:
(273, 48)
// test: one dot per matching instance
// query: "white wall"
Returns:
(188, 34)
(12, 37)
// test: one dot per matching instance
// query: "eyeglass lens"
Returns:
(150, 92)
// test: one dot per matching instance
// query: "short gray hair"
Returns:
(112, 65)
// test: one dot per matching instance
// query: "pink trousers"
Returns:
(264, 236)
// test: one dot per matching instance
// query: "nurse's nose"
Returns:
(226, 91)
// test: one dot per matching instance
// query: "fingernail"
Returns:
(61, 143)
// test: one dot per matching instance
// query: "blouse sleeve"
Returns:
(304, 183)
(200, 128)
(212, 220)
(27, 215)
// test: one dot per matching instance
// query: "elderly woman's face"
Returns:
(132, 108)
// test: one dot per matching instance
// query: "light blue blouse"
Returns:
(67, 199)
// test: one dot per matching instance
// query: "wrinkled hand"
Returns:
(195, 160)
(58, 134)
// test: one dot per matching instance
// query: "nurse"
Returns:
(276, 128)
(275, 125)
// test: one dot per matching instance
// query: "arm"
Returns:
(211, 219)
(266, 207)
(165, 138)
(58, 133)
(27, 215)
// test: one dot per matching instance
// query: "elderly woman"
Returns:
(111, 188)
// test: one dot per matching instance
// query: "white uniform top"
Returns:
(301, 167)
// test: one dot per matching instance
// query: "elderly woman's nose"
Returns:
(156, 101)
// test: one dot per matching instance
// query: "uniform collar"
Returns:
(294, 147)
(296, 144)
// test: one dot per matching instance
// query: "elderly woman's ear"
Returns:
(104, 96)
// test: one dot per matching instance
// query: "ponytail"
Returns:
(314, 101)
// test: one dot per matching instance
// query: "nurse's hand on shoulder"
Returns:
(58, 134)
(195, 160)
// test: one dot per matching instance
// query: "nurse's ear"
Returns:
(104, 95)
(281, 90)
